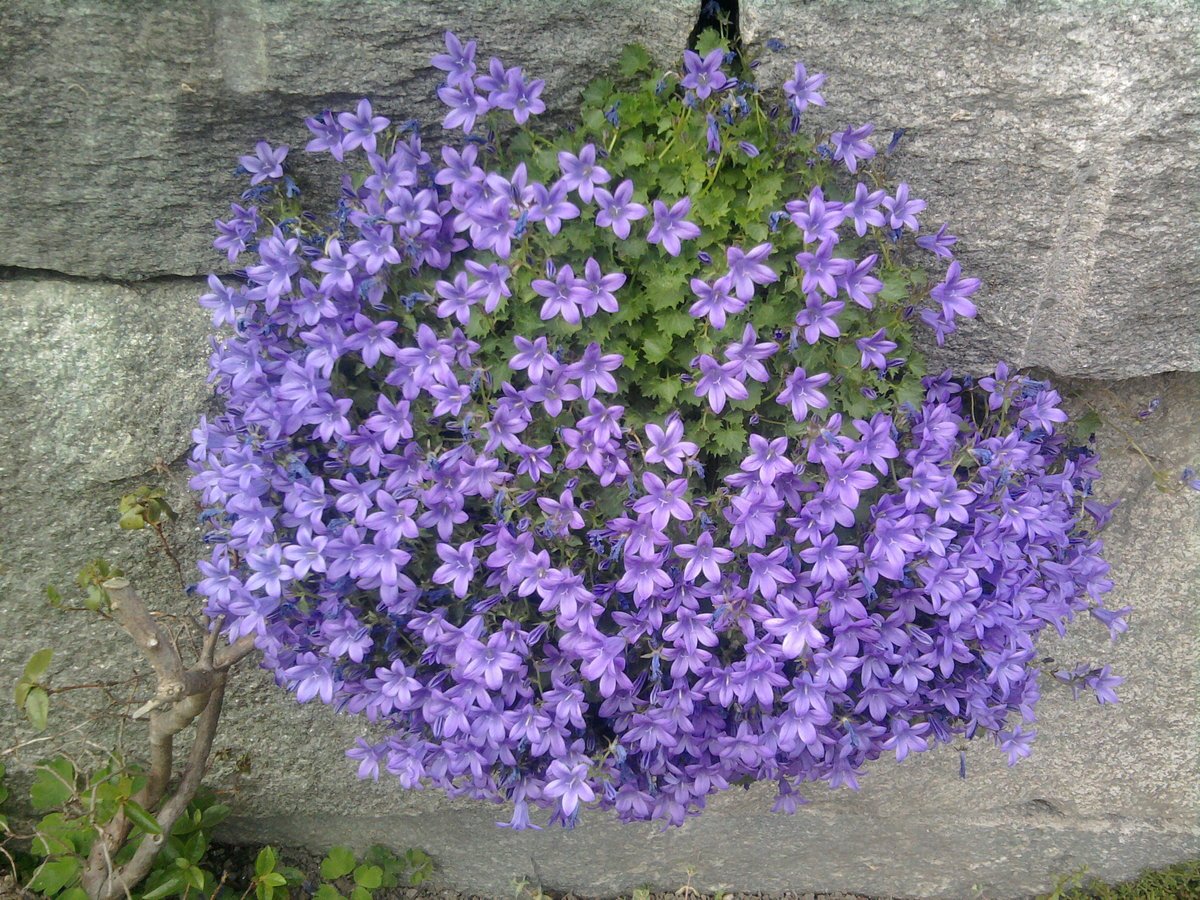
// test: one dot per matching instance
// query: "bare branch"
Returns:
(210, 642)
(132, 615)
(206, 729)
(243, 647)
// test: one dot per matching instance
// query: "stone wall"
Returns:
(1060, 140)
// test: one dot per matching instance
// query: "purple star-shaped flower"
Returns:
(594, 370)
(663, 502)
(532, 355)
(667, 445)
(822, 269)
(800, 393)
(801, 89)
(703, 75)
(819, 317)
(617, 209)
(580, 173)
(748, 268)
(596, 288)
(817, 217)
(361, 127)
(864, 208)
(939, 242)
(458, 62)
(703, 558)
(902, 212)
(266, 162)
(715, 301)
(719, 383)
(458, 566)
(874, 348)
(670, 226)
(851, 145)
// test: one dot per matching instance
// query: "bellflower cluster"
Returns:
(601, 469)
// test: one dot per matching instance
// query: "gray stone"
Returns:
(1114, 789)
(121, 123)
(99, 379)
(1060, 140)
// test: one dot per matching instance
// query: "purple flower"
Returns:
(859, 284)
(819, 317)
(663, 502)
(874, 348)
(568, 784)
(593, 370)
(748, 268)
(266, 162)
(617, 209)
(533, 355)
(953, 292)
(563, 296)
(851, 145)
(817, 218)
(864, 209)
(596, 288)
(361, 127)
(800, 393)
(719, 382)
(716, 302)
(902, 212)
(939, 242)
(458, 62)
(801, 89)
(703, 75)
(520, 96)
(670, 227)
(580, 173)
(822, 269)
(1016, 744)
(328, 135)
(465, 105)
(457, 568)
(667, 446)
(703, 558)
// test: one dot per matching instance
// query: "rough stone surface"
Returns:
(1114, 789)
(121, 123)
(1061, 141)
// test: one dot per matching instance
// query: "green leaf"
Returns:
(275, 879)
(3, 823)
(53, 785)
(37, 707)
(327, 892)
(338, 862)
(140, 817)
(656, 347)
(360, 893)
(75, 893)
(264, 863)
(173, 886)
(214, 816)
(55, 874)
(37, 665)
(596, 93)
(710, 39)
(132, 520)
(634, 59)
(1087, 425)
(764, 191)
(895, 287)
(369, 877)
(53, 596)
